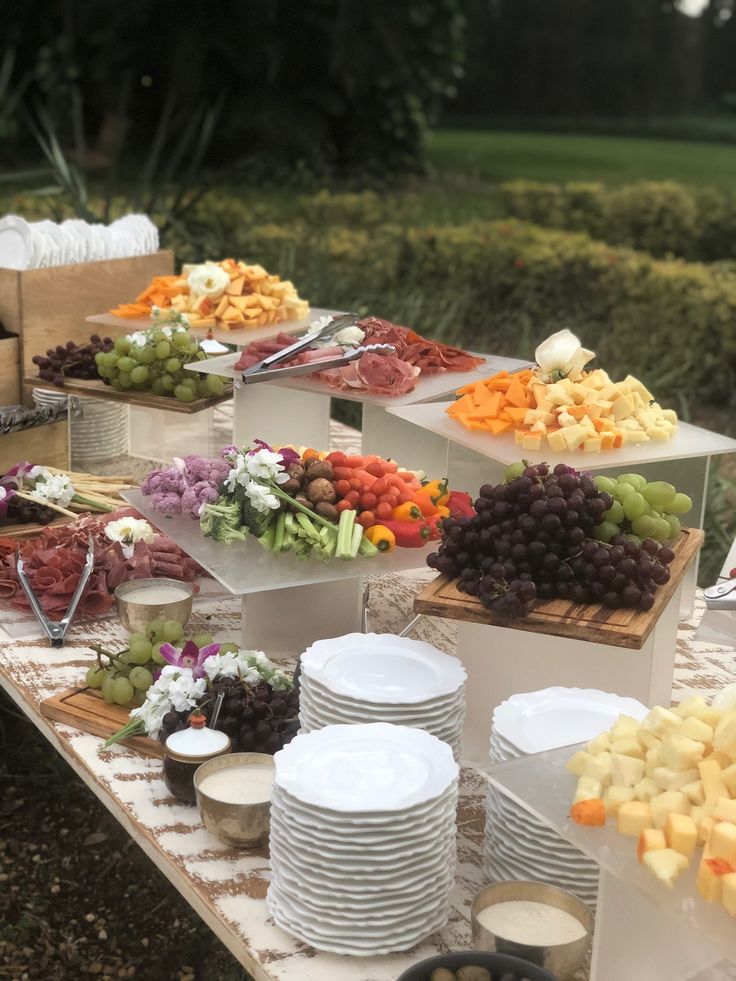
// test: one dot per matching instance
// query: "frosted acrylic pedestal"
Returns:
(476, 458)
(287, 603)
(644, 932)
(157, 434)
(297, 410)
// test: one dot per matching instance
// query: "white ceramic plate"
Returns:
(369, 768)
(536, 721)
(16, 243)
(383, 668)
(502, 869)
(331, 714)
(318, 694)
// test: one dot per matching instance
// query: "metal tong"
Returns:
(337, 323)
(722, 596)
(56, 630)
(274, 374)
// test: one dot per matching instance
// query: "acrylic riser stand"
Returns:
(643, 931)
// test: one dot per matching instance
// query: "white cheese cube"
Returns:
(673, 779)
(577, 763)
(694, 792)
(614, 797)
(671, 801)
(626, 771)
(679, 752)
(646, 789)
(587, 789)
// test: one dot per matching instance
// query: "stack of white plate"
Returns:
(362, 678)
(98, 431)
(363, 838)
(517, 845)
(43, 397)
(37, 244)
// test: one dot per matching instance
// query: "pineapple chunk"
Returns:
(713, 786)
(671, 801)
(587, 788)
(653, 761)
(680, 753)
(697, 729)
(725, 736)
(660, 720)
(672, 780)
(728, 776)
(599, 768)
(647, 740)
(614, 797)
(666, 864)
(725, 810)
(577, 763)
(722, 841)
(626, 771)
(646, 789)
(693, 706)
(694, 792)
(728, 893)
(625, 727)
(681, 834)
(627, 746)
(722, 759)
(556, 440)
(650, 840)
(599, 744)
(633, 817)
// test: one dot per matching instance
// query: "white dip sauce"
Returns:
(535, 924)
(239, 784)
(156, 595)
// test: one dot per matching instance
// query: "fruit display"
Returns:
(641, 509)
(227, 294)
(557, 403)
(669, 781)
(243, 693)
(152, 360)
(375, 374)
(534, 537)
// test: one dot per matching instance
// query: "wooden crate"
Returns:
(48, 445)
(45, 307)
(10, 389)
(597, 624)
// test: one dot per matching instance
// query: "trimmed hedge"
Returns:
(660, 217)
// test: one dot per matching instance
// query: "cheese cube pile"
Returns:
(670, 782)
(591, 414)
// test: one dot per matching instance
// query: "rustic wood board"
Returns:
(47, 444)
(594, 623)
(31, 530)
(97, 389)
(86, 709)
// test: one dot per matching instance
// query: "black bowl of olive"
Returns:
(475, 965)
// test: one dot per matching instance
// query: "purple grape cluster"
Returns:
(532, 537)
(72, 360)
(257, 720)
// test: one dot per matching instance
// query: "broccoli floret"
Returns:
(223, 512)
(256, 521)
(225, 533)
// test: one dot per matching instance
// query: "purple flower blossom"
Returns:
(287, 454)
(190, 656)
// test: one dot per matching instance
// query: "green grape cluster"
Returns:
(641, 509)
(154, 361)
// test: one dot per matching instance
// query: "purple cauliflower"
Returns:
(167, 504)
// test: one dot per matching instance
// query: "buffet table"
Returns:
(226, 887)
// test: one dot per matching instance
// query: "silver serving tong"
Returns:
(275, 374)
(56, 630)
(722, 596)
(337, 323)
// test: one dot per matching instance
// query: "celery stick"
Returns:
(368, 549)
(355, 543)
(280, 529)
(345, 535)
(291, 525)
(311, 531)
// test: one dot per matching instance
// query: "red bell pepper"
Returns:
(434, 523)
(409, 534)
(460, 505)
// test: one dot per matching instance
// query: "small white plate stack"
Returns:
(361, 678)
(362, 838)
(43, 397)
(98, 431)
(517, 845)
(38, 244)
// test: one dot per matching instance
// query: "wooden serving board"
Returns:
(32, 530)
(594, 623)
(94, 389)
(86, 709)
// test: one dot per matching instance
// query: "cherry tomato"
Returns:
(383, 510)
(342, 487)
(368, 500)
(353, 497)
(344, 506)
(381, 486)
(337, 459)
(367, 518)
(355, 484)
(377, 469)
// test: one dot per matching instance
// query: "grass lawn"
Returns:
(505, 156)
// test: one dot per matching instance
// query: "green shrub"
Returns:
(659, 217)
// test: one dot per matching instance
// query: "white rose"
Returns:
(261, 498)
(561, 355)
(209, 279)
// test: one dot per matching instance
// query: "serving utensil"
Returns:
(55, 630)
(275, 374)
(337, 323)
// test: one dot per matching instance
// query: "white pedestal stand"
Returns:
(643, 931)
(502, 661)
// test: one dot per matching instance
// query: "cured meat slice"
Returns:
(8, 588)
(174, 570)
(386, 375)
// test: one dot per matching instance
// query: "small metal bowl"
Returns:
(135, 617)
(561, 959)
(243, 825)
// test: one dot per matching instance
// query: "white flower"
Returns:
(224, 664)
(54, 487)
(128, 531)
(184, 692)
(261, 497)
(138, 338)
(238, 474)
(209, 279)
(264, 464)
(3, 493)
(37, 472)
(151, 713)
(561, 355)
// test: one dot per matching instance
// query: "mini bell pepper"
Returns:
(409, 534)
(438, 490)
(424, 501)
(408, 511)
(382, 537)
(460, 505)
(434, 524)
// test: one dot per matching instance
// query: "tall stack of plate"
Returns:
(44, 397)
(38, 244)
(363, 678)
(517, 845)
(363, 838)
(98, 431)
